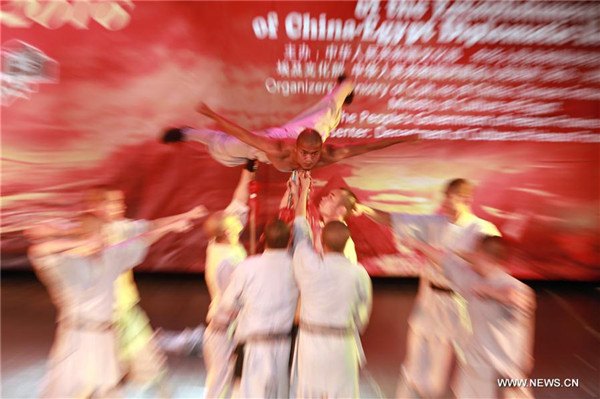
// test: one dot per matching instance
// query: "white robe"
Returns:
(498, 341)
(335, 293)
(435, 321)
(83, 361)
(218, 347)
(264, 291)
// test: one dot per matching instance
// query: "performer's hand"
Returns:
(181, 225)
(293, 187)
(305, 179)
(360, 209)
(197, 212)
(205, 110)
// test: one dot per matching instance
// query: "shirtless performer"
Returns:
(296, 145)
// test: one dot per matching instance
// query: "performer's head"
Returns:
(492, 252)
(223, 228)
(277, 234)
(106, 201)
(308, 148)
(337, 205)
(334, 237)
(458, 196)
(91, 230)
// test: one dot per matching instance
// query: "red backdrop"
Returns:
(503, 93)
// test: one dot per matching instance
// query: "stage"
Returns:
(567, 333)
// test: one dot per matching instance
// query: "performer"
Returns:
(498, 334)
(336, 306)
(140, 355)
(223, 254)
(263, 295)
(338, 205)
(434, 324)
(296, 145)
(79, 274)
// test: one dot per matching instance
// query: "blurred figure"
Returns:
(296, 145)
(338, 205)
(434, 323)
(223, 254)
(140, 358)
(497, 340)
(263, 295)
(79, 273)
(501, 313)
(140, 355)
(336, 306)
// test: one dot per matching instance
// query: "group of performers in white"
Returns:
(468, 310)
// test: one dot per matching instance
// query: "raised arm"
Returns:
(290, 197)
(177, 226)
(333, 154)
(380, 217)
(305, 179)
(194, 213)
(302, 233)
(231, 128)
(241, 191)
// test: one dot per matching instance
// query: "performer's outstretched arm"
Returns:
(231, 128)
(375, 215)
(194, 213)
(242, 191)
(305, 180)
(332, 154)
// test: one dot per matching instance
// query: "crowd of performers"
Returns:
(468, 310)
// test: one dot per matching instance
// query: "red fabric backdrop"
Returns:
(503, 93)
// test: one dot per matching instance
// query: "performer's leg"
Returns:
(265, 373)
(476, 382)
(323, 117)
(140, 355)
(225, 149)
(220, 364)
(426, 369)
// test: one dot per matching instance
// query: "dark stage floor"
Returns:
(567, 333)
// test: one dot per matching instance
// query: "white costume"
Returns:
(264, 291)
(434, 323)
(139, 352)
(498, 339)
(83, 360)
(336, 306)
(218, 348)
(322, 117)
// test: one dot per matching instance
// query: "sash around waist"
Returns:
(321, 329)
(87, 325)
